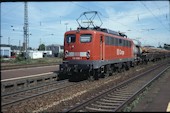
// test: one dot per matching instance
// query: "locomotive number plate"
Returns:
(76, 58)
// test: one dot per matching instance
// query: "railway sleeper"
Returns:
(111, 101)
(98, 109)
(108, 103)
(104, 106)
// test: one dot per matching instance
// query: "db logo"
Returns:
(120, 52)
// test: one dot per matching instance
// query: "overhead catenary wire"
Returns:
(81, 6)
(120, 22)
(111, 19)
(169, 14)
(115, 20)
(154, 16)
(107, 17)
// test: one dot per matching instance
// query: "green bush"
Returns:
(61, 55)
(19, 58)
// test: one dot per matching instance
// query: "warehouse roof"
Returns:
(4, 45)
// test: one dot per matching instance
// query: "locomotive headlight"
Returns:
(66, 53)
(88, 54)
(61, 69)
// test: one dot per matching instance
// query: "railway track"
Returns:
(8, 67)
(114, 99)
(15, 97)
(20, 97)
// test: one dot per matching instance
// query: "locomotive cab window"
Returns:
(70, 38)
(85, 38)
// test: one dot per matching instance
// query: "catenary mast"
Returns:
(26, 30)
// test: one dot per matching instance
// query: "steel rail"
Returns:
(70, 84)
(140, 91)
(119, 86)
(35, 95)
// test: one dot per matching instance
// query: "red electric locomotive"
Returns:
(95, 52)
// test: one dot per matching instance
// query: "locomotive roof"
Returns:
(104, 30)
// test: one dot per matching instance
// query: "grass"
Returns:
(18, 61)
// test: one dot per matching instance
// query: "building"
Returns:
(167, 46)
(56, 49)
(34, 54)
(5, 51)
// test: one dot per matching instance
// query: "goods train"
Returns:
(97, 52)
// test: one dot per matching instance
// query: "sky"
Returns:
(146, 21)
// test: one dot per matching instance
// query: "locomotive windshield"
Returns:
(70, 38)
(85, 38)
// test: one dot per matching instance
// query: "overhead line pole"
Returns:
(26, 30)
(169, 14)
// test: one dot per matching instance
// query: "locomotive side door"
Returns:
(101, 47)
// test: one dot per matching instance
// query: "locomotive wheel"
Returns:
(93, 75)
(114, 71)
(91, 78)
(108, 71)
(132, 64)
(127, 67)
(145, 61)
(106, 74)
(110, 74)
(102, 75)
(96, 74)
(119, 70)
(123, 69)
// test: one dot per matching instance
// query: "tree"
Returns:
(160, 46)
(41, 47)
